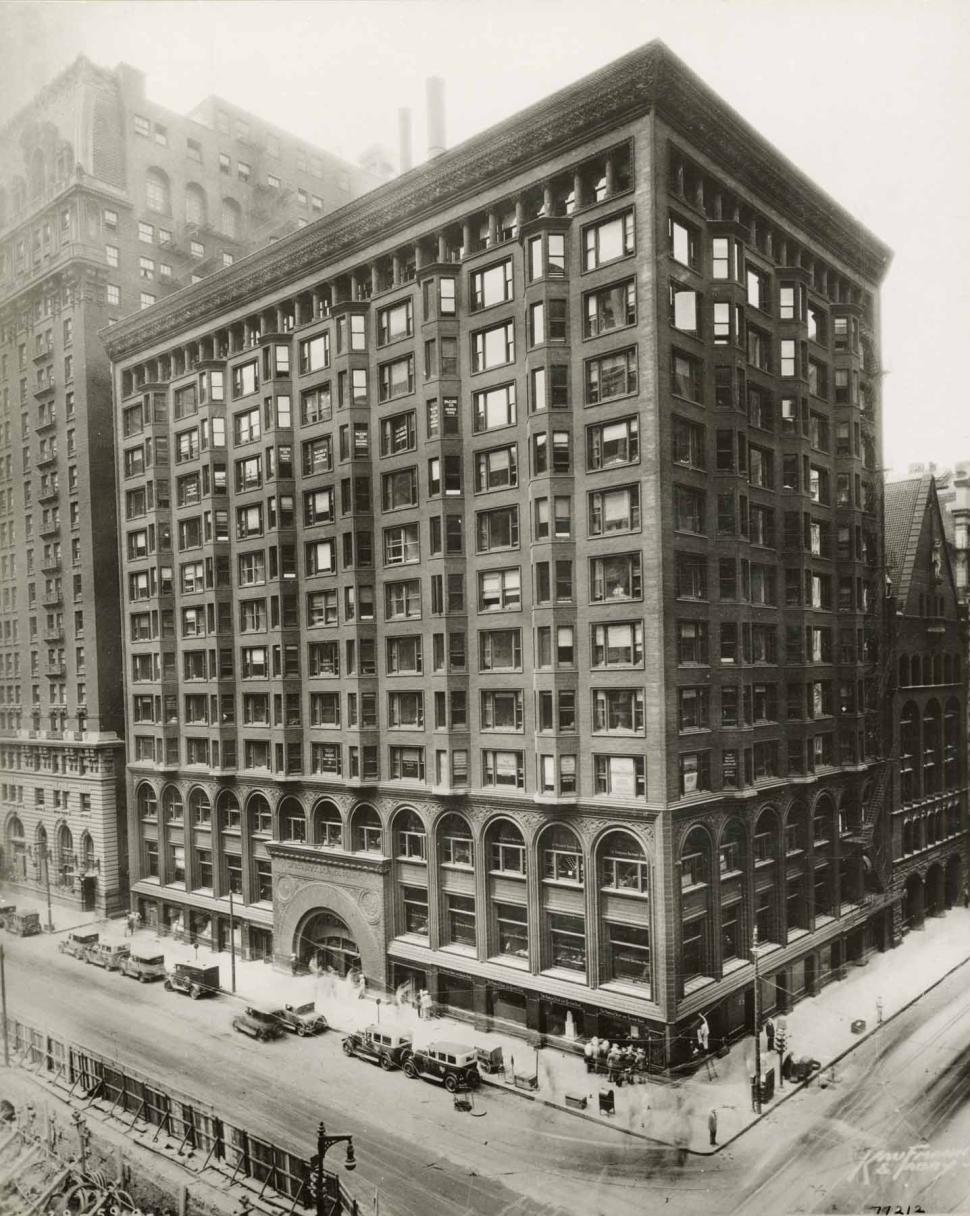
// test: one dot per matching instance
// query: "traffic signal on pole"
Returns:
(311, 1178)
(781, 1039)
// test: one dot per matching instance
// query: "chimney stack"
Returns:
(436, 116)
(404, 139)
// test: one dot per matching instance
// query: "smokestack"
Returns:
(436, 116)
(404, 139)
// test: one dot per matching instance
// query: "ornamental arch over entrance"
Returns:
(313, 912)
(325, 942)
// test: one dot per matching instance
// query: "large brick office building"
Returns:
(108, 203)
(509, 613)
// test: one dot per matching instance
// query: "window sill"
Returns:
(567, 974)
(696, 982)
(734, 964)
(510, 960)
(628, 988)
(458, 948)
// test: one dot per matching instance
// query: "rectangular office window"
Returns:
(395, 322)
(608, 240)
(620, 776)
(494, 408)
(396, 379)
(616, 577)
(611, 376)
(493, 347)
(493, 285)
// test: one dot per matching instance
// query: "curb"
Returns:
(788, 1093)
(653, 1140)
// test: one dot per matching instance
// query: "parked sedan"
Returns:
(258, 1024)
(388, 1048)
(301, 1019)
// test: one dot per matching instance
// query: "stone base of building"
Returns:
(78, 896)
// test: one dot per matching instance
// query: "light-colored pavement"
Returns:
(522, 1156)
(676, 1115)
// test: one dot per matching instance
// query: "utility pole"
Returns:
(3, 1003)
(232, 943)
(757, 1025)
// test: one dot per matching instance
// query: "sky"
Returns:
(871, 98)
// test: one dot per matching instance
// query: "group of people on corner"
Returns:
(623, 1064)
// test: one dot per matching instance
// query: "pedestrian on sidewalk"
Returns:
(770, 1034)
(878, 1010)
(712, 1125)
(589, 1052)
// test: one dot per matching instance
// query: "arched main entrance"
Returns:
(326, 941)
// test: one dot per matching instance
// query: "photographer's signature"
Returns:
(880, 1165)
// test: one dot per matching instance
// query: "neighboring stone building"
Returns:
(108, 203)
(509, 616)
(929, 827)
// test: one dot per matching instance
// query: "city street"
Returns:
(907, 1086)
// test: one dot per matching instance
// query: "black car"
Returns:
(455, 1065)
(301, 1019)
(193, 981)
(258, 1024)
(379, 1044)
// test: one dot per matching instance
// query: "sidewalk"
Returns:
(670, 1111)
(62, 916)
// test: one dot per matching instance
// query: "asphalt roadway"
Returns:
(902, 1092)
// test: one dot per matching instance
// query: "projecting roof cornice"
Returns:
(649, 78)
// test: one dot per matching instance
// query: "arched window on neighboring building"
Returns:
(158, 195)
(196, 206)
(231, 218)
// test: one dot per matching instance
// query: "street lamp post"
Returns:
(325, 1143)
(232, 942)
(757, 1024)
(46, 859)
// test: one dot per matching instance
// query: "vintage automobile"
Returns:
(455, 1065)
(258, 1024)
(379, 1044)
(107, 955)
(194, 981)
(77, 944)
(24, 924)
(301, 1019)
(144, 967)
(802, 1069)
